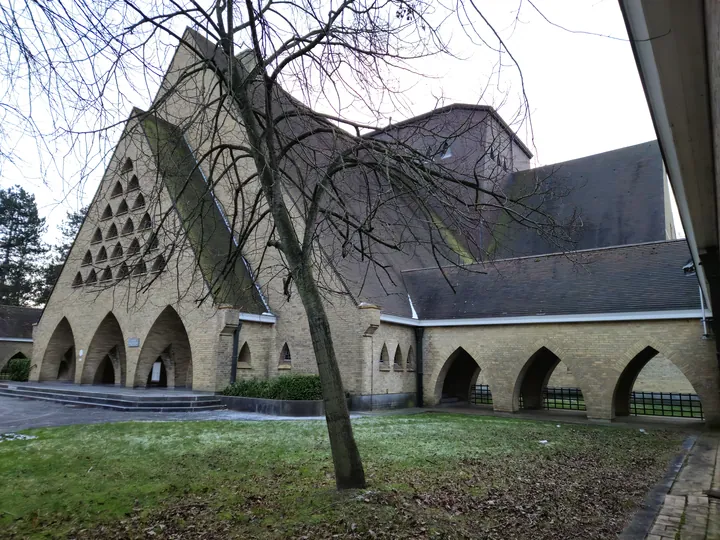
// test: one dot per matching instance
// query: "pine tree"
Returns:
(21, 247)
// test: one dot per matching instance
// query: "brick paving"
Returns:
(687, 512)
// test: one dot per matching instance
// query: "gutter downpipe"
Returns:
(236, 344)
(702, 309)
(419, 398)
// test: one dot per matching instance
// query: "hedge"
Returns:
(17, 369)
(292, 387)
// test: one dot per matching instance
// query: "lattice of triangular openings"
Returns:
(102, 255)
(77, 282)
(285, 357)
(129, 227)
(398, 360)
(146, 222)
(122, 208)
(97, 237)
(92, 278)
(112, 231)
(106, 275)
(139, 202)
(87, 259)
(107, 213)
(117, 251)
(158, 264)
(117, 190)
(139, 268)
(133, 184)
(127, 166)
(134, 247)
(123, 271)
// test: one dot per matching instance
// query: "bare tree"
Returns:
(337, 204)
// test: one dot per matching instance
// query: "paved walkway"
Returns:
(687, 513)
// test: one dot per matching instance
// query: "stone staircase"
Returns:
(114, 398)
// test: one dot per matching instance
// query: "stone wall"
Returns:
(8, 349)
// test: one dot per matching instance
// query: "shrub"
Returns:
(292, 387)
(17, 369)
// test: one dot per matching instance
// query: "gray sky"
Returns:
(584, 90)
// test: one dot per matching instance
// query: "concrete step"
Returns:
(127, 403)
(110, 393)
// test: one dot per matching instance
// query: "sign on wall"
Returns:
(133, 342)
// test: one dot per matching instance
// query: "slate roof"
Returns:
(633, 278)
(17, 322)
(619, 196)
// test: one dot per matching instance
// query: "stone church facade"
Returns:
(134, 306)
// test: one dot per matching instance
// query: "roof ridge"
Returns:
(588, 156)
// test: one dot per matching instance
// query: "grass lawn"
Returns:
(430, 476)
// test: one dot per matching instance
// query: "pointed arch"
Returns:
(145, 222)
(139, 202)
(384, 361)
(107, 213)
(117, 190)
(123, 271)
(533, 378)
(127, 166)
(105, 361)
(78, 281)
(117, 251)
(285, 356)
(244, 358)
(58, 361)
(410, 362)
(87, 259)
(398, 364)
(129, 227)
(97, 237)
(102, 255)
(122, 208)
(457, 377)
(106, 275)
(140, 268)
(112, 232)
(134, 247)
(166, 342)
(158, 264)
(92, 278)
(153, 243)
(133, 184)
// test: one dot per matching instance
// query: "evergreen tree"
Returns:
(21, 247)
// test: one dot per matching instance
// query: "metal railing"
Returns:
(481, 395)
(666, 404)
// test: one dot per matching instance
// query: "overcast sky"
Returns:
(584, 90)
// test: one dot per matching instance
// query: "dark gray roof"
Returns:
(643, 277)
(17, 322)
(618, 195)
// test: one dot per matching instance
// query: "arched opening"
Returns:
(78, 281)
(285, 356)
(134, 247)
(533, 377)
(5, 368)
(117, 190)
(117, 251)
(112, 232)
(97, 237)
(153, 243)
(129, 227)
(157, 377)
(102, 255)
(384, 358)
(410, 359)
(158, 264)
(123, 271)
(87, 259)
(92, 278)
(105, 359)
(145, 222)
(122, 208)
(107, 213)
(457, 378)
(398, 360)
(244, 356)
(140, 268)
(133, 184)
(60, 349)
(106, 275)
(139, 202)
(127, 166)
(167, 340)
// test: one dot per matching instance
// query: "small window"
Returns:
(384, 358)
(107, 213)
(123, 271)
(134, 183)
(285, 357)
(117, 251)
(398, 360)
(102, 255)
(504, 164)
(122, 208)
(117, 190)
(159, 264)
(129, 227)
(112, 232)
(106, 275)
(127, 166)
(77, 282)
(410, 364)
(97, 237)
(139, 202)
(153, 243)
(146, 222)
(92, 278)
(139, 268)
(134, 247)
(244, 357)
(87, 259)
(445, 151)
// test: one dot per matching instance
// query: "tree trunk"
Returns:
(349, 471)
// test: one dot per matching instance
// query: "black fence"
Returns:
(481, 395)
(666, 404)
